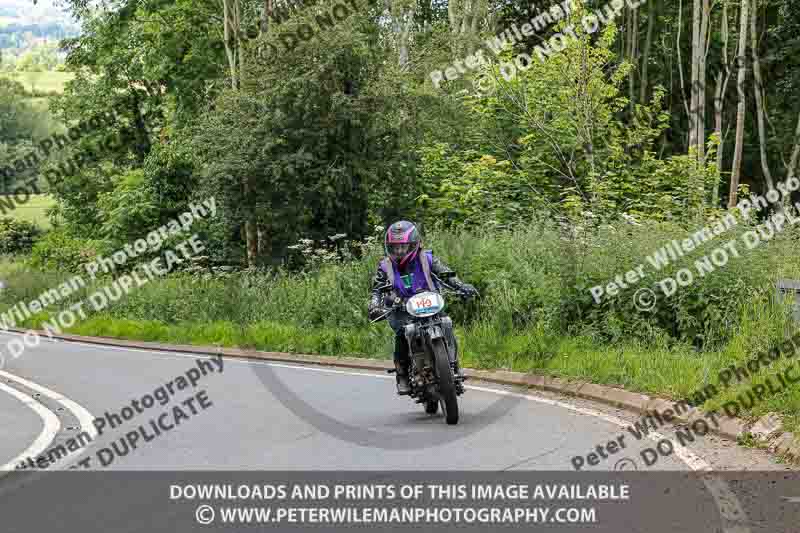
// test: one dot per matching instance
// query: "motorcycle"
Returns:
(432, 349)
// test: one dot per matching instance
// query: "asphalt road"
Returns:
(21, 424)
(240, 415)
(247, 427)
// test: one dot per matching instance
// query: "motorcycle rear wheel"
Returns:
(447, 388)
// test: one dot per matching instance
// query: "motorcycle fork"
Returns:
(451, 342)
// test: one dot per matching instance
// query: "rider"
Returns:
(403, 245)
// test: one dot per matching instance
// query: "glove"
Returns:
(375, 308)
(469, 290)
(375, 312)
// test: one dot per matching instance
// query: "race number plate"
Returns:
(425, 304)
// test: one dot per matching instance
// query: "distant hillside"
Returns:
(24, 25)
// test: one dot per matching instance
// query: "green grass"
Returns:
(672, 373)
(34, 210)
(535, 313)
(40, 103)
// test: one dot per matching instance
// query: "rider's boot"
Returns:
(403, 387)
(459, 372)
(401, 364)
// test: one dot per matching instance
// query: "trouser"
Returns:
(398, 321)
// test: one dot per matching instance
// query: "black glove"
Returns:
(375, 308)
(376, 313)
(469, 290)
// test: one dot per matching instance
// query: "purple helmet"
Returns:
(402, 242)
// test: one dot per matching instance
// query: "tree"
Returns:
(312, 143)
(740, 110)
(759, 97)
(19, 124)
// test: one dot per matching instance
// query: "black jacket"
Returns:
(376, 304)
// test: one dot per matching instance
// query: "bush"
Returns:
(534, 281)
(58, 250)
(17, 236)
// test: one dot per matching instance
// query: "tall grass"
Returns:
(535, 312)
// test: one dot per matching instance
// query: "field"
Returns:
(40, 103)
(44, 81)
(34, 210)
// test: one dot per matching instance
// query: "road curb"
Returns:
(777, 440)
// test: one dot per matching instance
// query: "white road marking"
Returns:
(51, 428)
(691, 460)
(85, 418)
(727, 502)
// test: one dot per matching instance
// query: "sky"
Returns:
(44, 10)
(40, 4)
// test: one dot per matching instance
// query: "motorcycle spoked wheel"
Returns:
(448, 397)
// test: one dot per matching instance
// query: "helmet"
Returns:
(402, 242)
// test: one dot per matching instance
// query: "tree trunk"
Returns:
(237, 24)
(265, 16)
(232, 24)
(759, 94)
(795, 151)
(264, 243)
(652, 14)
(719, 99)
(632, 52)
(680, 66)
(740, 110)
(695, 85)
(701, 79)
(142, 146)
(228, 9)
(250, 221)
(251, 234)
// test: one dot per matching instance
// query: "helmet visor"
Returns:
(399, 250)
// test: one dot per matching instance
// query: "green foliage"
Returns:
(17, 118)
(59, 251)
(561, 135)
(17, 236)
(475, 189)
(129, 210)
(535, 311)
(41, 58)
(300, 150)
(535, 278)
(36, 211)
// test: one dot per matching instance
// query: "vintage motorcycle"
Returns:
(432, 349)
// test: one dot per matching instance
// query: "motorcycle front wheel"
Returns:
(447, 388)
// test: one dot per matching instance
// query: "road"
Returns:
(237, 415)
